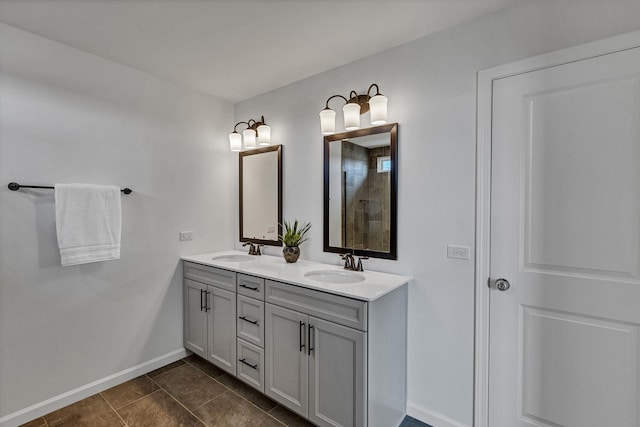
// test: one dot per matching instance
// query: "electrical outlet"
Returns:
(186, 235)
(271, 228)
(458, 252)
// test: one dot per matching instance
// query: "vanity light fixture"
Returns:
(355, 106)
(255, 131)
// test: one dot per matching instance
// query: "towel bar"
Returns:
(14, 186)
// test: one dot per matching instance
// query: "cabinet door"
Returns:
(287, 363)
(221, 306)
(337, 375)
(195, 318)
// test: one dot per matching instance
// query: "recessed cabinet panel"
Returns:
(250, 323)
(210, 275)
(195, 319)
(287, 364)
(335, 308)
(337, 375)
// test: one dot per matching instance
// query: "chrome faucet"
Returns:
(254, 248)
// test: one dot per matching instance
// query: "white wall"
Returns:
(431, 86)
(68, 116)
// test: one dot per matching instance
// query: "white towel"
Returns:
(88, 222)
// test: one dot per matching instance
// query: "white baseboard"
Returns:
(433, 418)
(60, 401)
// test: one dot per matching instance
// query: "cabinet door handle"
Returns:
(242, 285)
(201, 300)
(311, 338)
(301, 341)
(243, 360)
(206, 300)
(254, 322)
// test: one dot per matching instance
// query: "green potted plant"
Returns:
(292, 237)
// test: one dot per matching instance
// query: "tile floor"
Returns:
(189, 392)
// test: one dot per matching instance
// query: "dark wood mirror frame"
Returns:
(392, 130)
(241, 157)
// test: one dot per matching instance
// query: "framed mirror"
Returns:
(360, 192)
(260, 185)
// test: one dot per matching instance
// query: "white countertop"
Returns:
(374, 285)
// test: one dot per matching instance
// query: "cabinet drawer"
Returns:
(250, 320)
(251, 286)
(334, 308)
(210, 275)
(251, 364)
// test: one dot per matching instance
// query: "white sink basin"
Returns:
(234, 258)
(334, 276)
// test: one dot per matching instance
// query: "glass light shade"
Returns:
(378, 108)
(235, 141)
(249, 136)
(351, 116)
(264, 135)
(327, 121)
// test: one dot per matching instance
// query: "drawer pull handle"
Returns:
(301, 340)
(254, 322)
(243, 360)
(242, 285)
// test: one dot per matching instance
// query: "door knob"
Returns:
(503, 285)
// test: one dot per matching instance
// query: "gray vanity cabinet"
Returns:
(336, 360)
(315, 367)
(210, 314)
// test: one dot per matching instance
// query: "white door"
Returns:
(565, 233)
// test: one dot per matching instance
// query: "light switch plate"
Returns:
(458, 252)
(186, 235)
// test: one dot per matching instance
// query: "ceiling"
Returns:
(236, 49)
